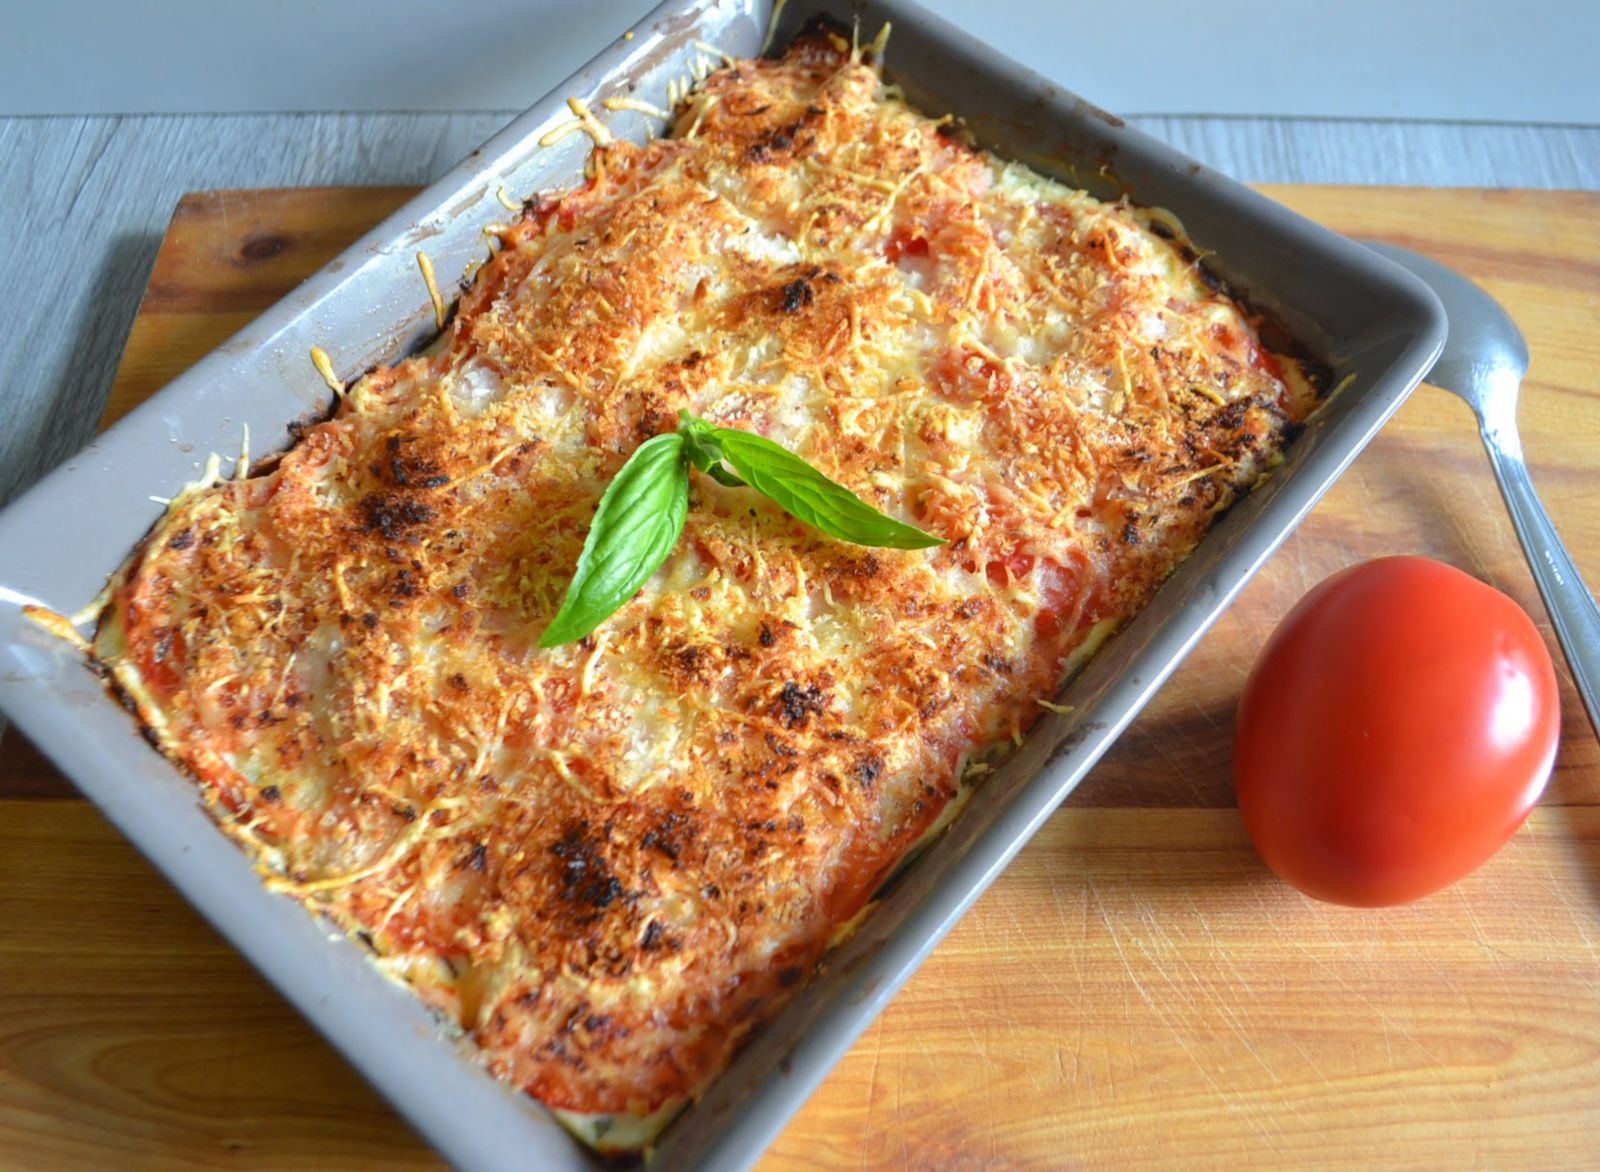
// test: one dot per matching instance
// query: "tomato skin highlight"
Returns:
(1396, 730)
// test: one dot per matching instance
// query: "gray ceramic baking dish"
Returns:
(1356, 313)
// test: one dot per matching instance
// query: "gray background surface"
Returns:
(110, 111)
(1478, 60)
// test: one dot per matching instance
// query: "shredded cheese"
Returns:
(425, 264)
(324, 365)
(637, 106)
(560, 131)
(715, 52)
(590, 124)
(56, 624)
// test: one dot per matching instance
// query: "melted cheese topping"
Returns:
(606, 863)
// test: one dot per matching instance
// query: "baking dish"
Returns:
(1353, 312)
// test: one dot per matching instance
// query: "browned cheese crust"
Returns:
(609, 861)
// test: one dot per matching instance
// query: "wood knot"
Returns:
(259, 248)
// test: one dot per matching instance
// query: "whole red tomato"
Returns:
(1395, 732)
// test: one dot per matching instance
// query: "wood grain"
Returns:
(1135, 990)
(131, 1035)
(227, 256)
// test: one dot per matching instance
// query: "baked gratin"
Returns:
(606, 863)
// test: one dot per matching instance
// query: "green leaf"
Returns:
(642, 512)
(704, 452)
(720, 473)
(635, 527)
(803, 492)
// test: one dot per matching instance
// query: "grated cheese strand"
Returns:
(324, 365)
(425, 264)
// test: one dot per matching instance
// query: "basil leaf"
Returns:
(803, 492)
(635, 527)
(704, 452)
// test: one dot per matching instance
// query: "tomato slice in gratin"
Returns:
(607, 863)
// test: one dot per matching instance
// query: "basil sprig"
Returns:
(641, 514)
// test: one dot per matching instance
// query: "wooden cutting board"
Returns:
(1136, 989)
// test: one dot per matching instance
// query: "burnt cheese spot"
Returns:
(796, 702)
(584, 875)
(393, 515)
(403, 586)
(869, 768)
(671, 835)
(796, 295)
(411, 471)
(775, 142)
